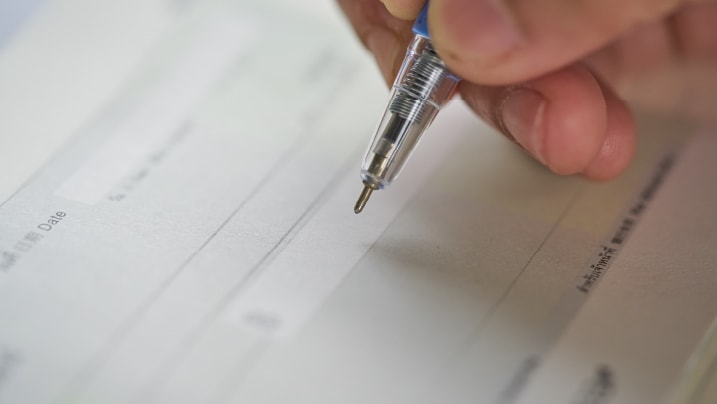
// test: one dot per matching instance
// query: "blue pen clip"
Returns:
(420, 27)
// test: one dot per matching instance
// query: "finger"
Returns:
(667, 65)
(626, 63)
(695, 30)
(381, 33)
(404, 9)
(561, 119)
(620, 142)
(500, 41)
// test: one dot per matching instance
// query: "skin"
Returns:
(552, 75)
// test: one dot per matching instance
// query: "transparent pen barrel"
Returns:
(422, 87)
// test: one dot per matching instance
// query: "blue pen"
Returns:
(422, 87)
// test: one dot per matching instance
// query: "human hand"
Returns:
(550, 74)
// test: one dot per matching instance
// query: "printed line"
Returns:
(514, 282)
(156, 117)
(160, 376)
(51, 160)
(90, 370)
(479, 328)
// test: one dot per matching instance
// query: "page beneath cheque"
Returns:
(195, 243)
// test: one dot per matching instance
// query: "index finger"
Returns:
(404, 9)
(385, 35)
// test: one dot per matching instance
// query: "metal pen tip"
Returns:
(363, 198)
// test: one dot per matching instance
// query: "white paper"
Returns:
(194, 241)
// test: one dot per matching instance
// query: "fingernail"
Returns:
(522, 116)
(479, 27)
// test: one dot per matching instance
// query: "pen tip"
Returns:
(363, 198)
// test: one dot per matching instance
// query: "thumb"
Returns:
(508, 41)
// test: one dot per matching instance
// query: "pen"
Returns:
(422, 87)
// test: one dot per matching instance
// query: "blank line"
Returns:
(89, 371)
(471, 340)
(25, 183)
(86, 374)
(52, 159)
(514, 282)
(155, 382)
